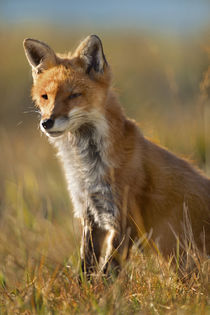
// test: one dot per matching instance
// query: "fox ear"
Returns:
(40, 56)
(90, 52)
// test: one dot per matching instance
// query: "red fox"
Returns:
(121, 184)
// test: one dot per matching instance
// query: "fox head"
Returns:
(69, 90)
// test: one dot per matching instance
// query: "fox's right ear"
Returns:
(40, 56)
(91, 54)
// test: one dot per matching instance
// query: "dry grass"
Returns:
(39, 240)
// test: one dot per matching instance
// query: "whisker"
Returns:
(31, 111)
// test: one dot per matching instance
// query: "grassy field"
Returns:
(159, 81)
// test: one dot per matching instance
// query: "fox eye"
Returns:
(74, 95)
(45, 96)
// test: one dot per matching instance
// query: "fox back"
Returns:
(122, 185)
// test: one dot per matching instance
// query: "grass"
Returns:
(145, 286)
(39, 239)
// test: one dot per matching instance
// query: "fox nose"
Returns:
(47, 123)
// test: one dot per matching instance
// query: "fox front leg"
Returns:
(99, 250)
(91, 247)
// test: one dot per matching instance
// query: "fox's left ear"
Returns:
(91, 54)
(40, 56)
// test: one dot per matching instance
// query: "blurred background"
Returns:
(159, 54)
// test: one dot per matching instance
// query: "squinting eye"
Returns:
(71, 96)
(45, 96)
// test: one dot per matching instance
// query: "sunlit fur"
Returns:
(119, 181)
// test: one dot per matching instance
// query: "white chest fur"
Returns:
(84, 156)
